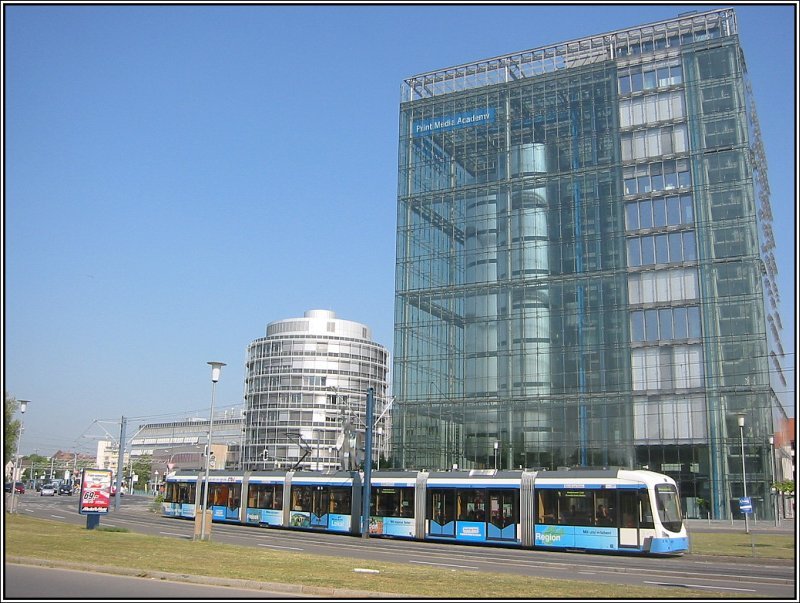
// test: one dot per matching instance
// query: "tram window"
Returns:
(185, 493)
(301, 498)
(441, 505)
(392, 502)
(504, 507)
(383, 501)
(577, 507)
(471, 505)
(606, 511)
(628, 509)
(407, 502)
(646, 512)
(547, 507)
(265, 496)
(340, 501)
(218, 495)
(669, 508)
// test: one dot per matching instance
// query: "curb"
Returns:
(302, 589)
(739, 559)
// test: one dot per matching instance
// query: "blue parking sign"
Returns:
(745, 504)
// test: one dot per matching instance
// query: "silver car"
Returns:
(48, 490)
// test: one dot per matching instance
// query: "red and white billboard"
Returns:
(95, 491)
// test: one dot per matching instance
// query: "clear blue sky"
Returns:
(179, 176)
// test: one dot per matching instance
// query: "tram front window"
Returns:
(668, 507)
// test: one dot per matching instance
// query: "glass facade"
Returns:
(305, 394)
(579, 279)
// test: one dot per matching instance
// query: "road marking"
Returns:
(58, 516)
(749, 590)
(446, 564)
(275, 546)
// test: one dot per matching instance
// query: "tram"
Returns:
(611, 510)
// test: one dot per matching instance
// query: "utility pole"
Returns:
(118, 480)
(367, 464)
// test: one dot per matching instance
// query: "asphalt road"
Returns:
(724, 576)
(48, 583)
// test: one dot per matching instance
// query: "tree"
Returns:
(785, 487)
(10, 428)
(142, 467)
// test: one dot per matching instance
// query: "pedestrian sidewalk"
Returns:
(760, 526)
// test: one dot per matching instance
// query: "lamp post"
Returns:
(379, 443)
(319, 435)
(216, 368)
(335, 390)
(774, 478)
(744, 474)
(367, 464)
(496, 446)
(23, 406)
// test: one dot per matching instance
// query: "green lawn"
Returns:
(772, 546)
(51, 540)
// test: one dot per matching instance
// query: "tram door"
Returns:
(320, 503)
(503, 515)
(441, 512)
(628, 518)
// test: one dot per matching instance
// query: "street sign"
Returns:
(745, 504)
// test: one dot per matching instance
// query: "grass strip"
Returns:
(762, 546)
(58, 541)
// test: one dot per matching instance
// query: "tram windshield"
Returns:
(669, 507)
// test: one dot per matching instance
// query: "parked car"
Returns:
(114, 490)
(65, 489)
(19, 487)
(48, 490)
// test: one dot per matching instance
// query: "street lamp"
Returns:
(744, 474)
(216, 368)
(379, 432)
(774, 478)
(496, 446)
(319, 436)
(23, 406)
(335, 390)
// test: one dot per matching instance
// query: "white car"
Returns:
(48, 490)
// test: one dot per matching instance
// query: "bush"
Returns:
(155, 506)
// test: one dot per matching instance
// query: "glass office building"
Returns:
(584, 263)
(306, 393)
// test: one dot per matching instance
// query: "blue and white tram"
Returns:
(612, 510)
(394, 502)
(321, 501)
(474, 506)
(180, 495)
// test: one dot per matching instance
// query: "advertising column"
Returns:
(95, 495)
